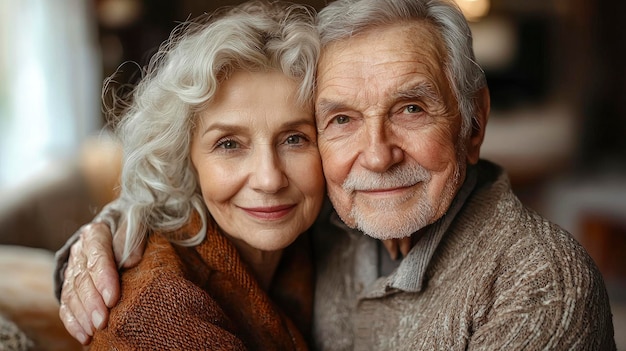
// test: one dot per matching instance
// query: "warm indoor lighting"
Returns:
(119, 13)
(474, 10)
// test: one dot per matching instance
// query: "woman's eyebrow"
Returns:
(299, 122)
(233, 128)
(223, 127)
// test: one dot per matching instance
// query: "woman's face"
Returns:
(255, 152)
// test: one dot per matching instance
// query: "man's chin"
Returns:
(386, 225)
(383, 230)
(386, 236)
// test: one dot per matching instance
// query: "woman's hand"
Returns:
(91, 280)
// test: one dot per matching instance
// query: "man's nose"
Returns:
(266, 172)
(380, 151)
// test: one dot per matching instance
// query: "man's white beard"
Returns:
(380, 218)
(381, 222)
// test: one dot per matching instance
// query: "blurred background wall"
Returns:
(556, 71)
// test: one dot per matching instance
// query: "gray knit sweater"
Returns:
(501, 277)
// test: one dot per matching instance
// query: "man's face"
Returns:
(389, 129)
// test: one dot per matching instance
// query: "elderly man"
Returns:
(401, 110)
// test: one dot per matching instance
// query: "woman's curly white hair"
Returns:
(159, 189)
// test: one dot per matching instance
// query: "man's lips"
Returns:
(270, 212)
(385, 191)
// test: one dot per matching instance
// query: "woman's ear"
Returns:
(479, 124)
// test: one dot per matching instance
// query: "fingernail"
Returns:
(82, 338)
(106, 294)
(97, 319)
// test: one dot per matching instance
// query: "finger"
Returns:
(392, 247)
(80, 295)
(118, 248)
(405, 245)
(118, 242)
(75, 314)
(103, 275)
(75, 275)
(73, 326)
(93, 304)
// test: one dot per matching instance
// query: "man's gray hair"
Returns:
(159, 188)
(343, 19)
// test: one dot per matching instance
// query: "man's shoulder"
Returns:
(495, 211)
(517, 244)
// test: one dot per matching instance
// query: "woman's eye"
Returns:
(227, 144)
(295, 139)
(412, 109)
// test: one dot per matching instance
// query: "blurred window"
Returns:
(49, 83)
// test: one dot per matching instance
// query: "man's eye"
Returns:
(342, 119)
(412, 109)
(228, 144)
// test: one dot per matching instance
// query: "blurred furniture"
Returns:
(531, 143)
(27, 298)
(36, 218)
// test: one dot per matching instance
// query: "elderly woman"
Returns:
(221, 176)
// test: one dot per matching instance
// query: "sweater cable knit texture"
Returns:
(501, 278)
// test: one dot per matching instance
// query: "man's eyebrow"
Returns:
(324, 107)
(422, 90)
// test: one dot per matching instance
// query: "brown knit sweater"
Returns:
(204, 298)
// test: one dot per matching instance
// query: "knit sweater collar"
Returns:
(410, 274)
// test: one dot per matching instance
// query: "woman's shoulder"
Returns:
(156, 295)
(159, 274)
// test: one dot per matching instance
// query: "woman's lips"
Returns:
(269, 213)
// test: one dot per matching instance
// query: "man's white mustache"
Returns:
(396, 177)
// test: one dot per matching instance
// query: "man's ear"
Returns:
(479, 124)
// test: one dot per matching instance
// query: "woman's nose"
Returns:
(267, 173)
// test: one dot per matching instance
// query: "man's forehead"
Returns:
(387, 71)
(408, 31)
(414, 41)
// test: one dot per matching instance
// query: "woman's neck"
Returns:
(262, 263)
